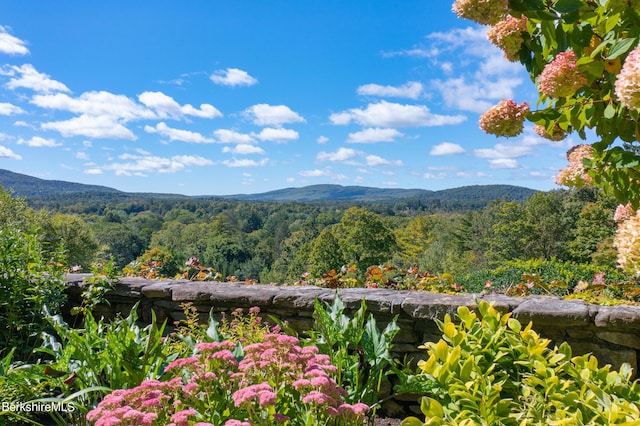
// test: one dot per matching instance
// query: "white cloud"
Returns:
(374, 160)
(37, 141)
(231, 136)
(96, 103)
(447, 148)
(166, 107)
(90, 126)
(411, 90)
(277, 135)
(140, 165)
(322, 139)
(233, 77)
(11, 45)
(272, 115)
(342, 154)
(373, 135)
(27, 77)
(7, 153)
(80, 155)
(94, 171)
(192, 160)
(502, 150)
(503, 163)
(245, 162)
(177, 134)
(244, 149)
(9, 109)
(480, 74)
(388, 114)
(314, 173)
(438, 176)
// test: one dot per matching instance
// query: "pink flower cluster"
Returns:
(277, 380)
(504, 119)
(623, 212)
(143, 405)
(627, 241)
(507, 35)
(627, 84)
(556, 134)
(560, 78)
(575, 175)
(486, 12)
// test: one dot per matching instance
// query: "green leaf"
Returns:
(431, 408)
(621, 47)
(609, 111)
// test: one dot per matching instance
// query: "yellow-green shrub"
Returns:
(489, 369)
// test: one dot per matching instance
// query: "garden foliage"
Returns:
(489, 369)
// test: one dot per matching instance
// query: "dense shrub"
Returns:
(489, 369)
(560, 277)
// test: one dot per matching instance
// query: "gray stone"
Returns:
(431, 305)
(243, 295)
(300, 297)
(193, 291)
(622, 339)
(618, 317)
(552, 311)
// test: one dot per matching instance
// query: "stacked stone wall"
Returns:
(611, 333)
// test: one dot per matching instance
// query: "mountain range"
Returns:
(32, 187)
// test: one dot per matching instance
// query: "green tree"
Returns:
(364, 238)
(119, 242)
(544, 225)
(325, 254)
(414, 239)
(594, 225)
(72, 235)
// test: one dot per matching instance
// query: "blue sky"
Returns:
(237, 96)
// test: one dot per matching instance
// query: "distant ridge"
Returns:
(317, 193)
(29, 186)
(36, 188)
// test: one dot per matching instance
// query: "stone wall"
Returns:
(611, 333)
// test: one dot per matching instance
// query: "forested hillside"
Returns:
(281, 242)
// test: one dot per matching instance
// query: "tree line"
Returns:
(280, 242)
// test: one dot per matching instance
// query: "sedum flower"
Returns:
(507, 35)
(575, 175)
(560, 78)
(627, 241)
(627, 84)
(556, 134)
(486, 12)
(504, 119)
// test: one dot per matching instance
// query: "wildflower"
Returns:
(180, 363)
(556, 134)
(192, 261)
(627, 241)
(575, 175)
(623, 213)
(560, 78)
(507, 35)
(486, 12)
(627, 84)
(504, 119)
(234, 422)
(318, 398)
(181, 418)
